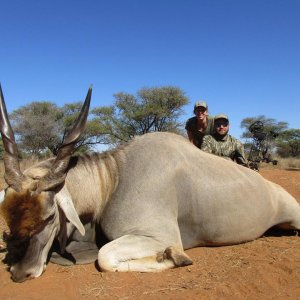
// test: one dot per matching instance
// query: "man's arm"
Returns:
(190, 136)
(206, 144)
(188, 128)
(240, 156)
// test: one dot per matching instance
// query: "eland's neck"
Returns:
(91, 180)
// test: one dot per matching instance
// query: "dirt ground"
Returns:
(267, 268)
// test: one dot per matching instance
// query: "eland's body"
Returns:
(152, 198)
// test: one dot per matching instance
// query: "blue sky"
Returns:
(242, 57)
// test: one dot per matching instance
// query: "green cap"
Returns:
(221, 116)
(200, 104)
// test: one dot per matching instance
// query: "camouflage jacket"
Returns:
(191, 125)
(228, 147)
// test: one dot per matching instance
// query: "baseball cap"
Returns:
(221, 116)
(200, 104)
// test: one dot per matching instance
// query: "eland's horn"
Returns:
(13, 175)
(57, 172)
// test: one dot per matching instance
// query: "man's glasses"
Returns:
(200, 110)
(224, 124)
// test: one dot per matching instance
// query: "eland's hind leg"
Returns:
(292, 221)
(288, 214)
(140, 253)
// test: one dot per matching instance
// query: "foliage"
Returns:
(270, 124)
(152, 109)
(288, 143)
(93, 130)
(37, 127)
(40, 127)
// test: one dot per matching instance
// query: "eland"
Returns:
(152, 198)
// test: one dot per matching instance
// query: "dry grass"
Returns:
(283, 164)
(289, 163)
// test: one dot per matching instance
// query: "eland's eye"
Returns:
(42, 224)
(50, 218)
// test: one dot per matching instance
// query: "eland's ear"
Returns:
(63, 236)
(64, 201)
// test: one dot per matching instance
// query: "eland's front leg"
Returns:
(141, 254)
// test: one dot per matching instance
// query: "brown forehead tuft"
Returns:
(22, 212)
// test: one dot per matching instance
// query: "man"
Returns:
(200, 125)
(223, 144)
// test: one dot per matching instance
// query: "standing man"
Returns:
(223, 144)
(200, 125)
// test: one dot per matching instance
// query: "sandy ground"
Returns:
(267, 268)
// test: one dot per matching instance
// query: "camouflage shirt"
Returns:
(191, 125)
(228, 147)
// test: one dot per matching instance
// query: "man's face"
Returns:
(222, 126)
(201, 112)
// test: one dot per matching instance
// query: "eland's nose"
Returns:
(18, 276)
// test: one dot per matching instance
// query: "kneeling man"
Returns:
(223, 144)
